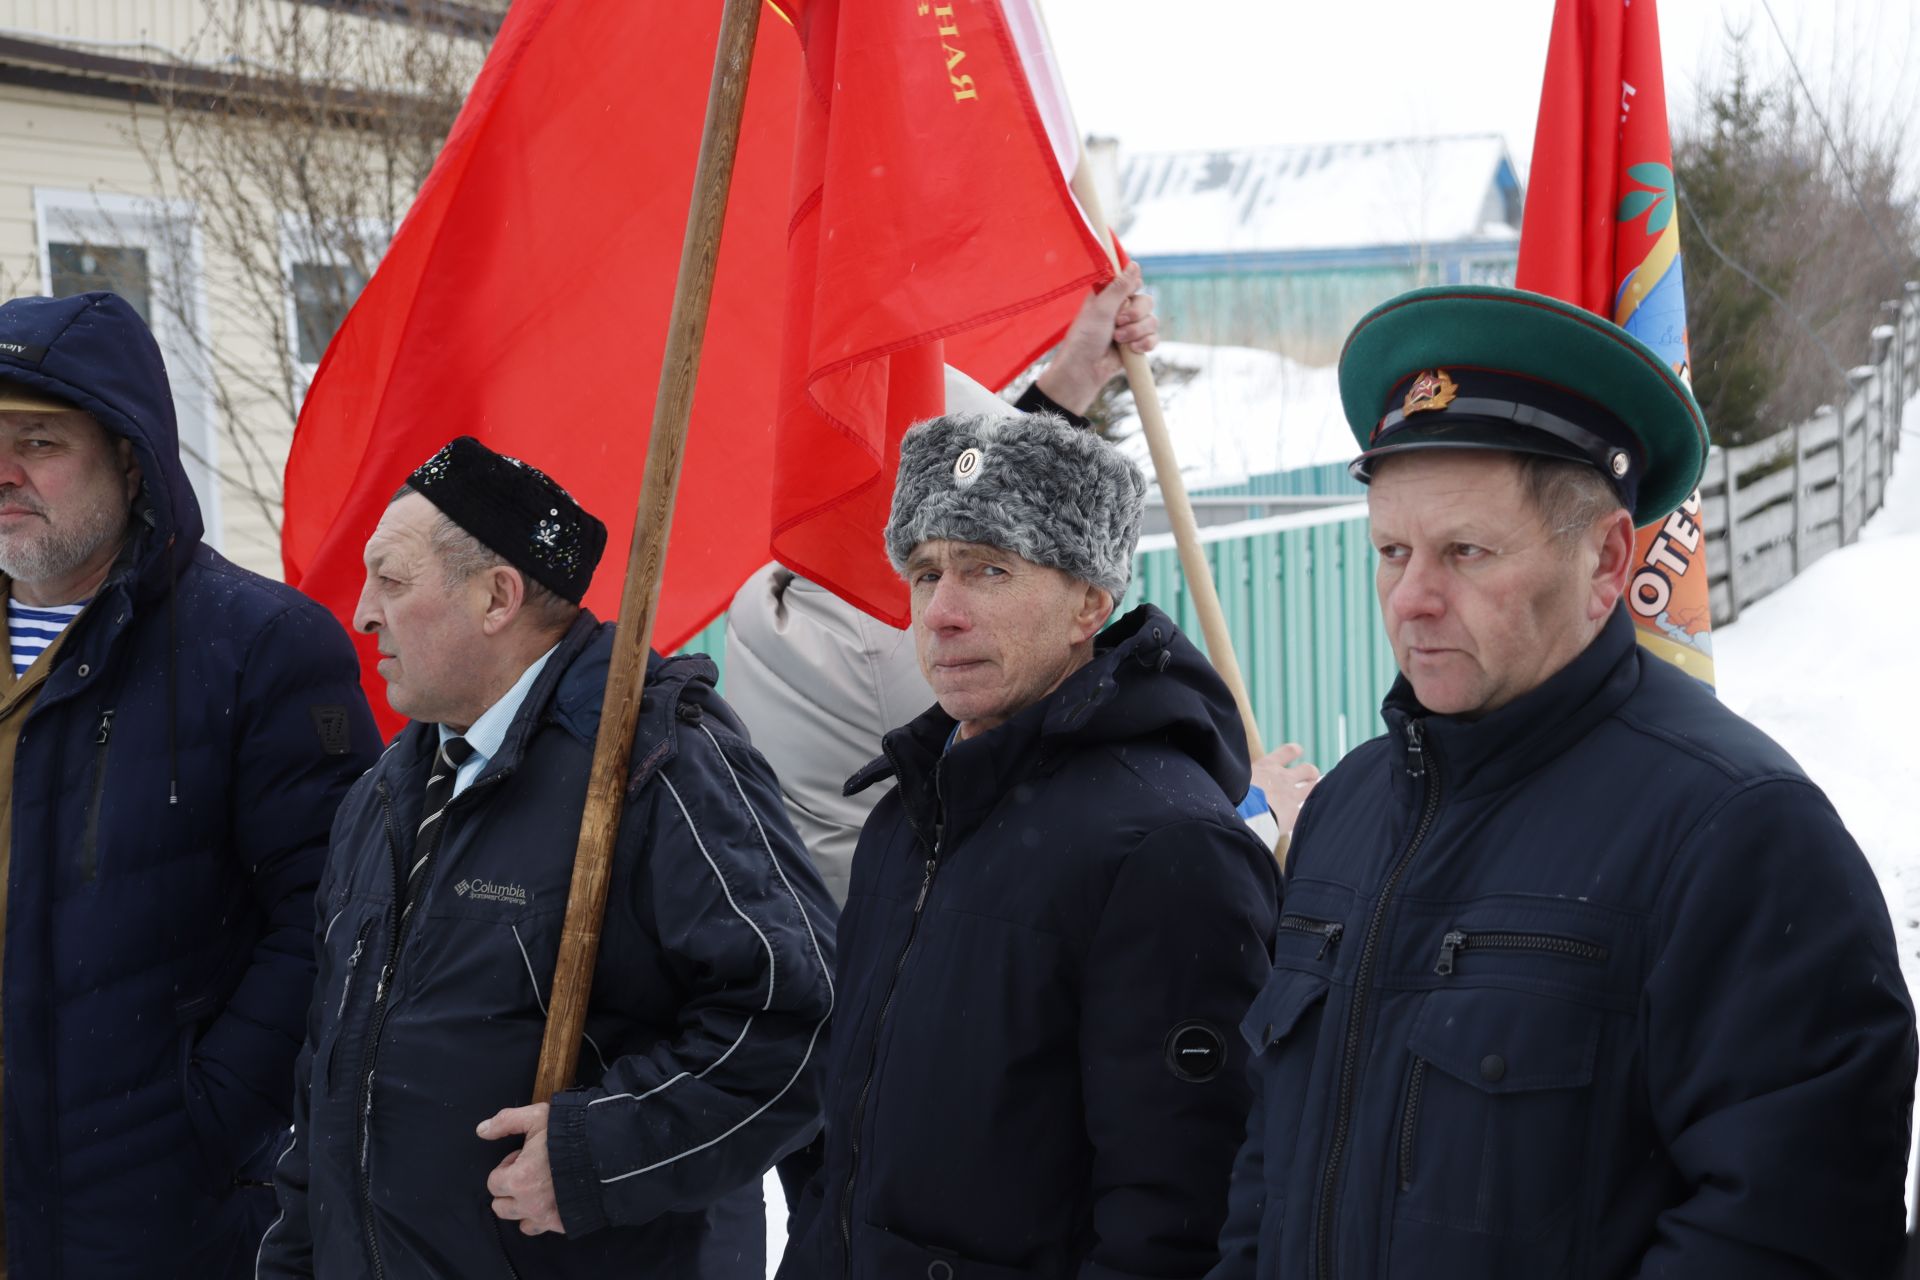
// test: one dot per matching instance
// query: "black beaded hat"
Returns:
(518, 512)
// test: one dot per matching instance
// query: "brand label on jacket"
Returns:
(492, 891)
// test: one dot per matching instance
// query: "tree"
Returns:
(298, 135)
(1784, 266)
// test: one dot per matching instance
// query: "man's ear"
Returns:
(1613, 564)
(506, 594)
(1095, 607)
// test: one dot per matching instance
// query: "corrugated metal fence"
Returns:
(1298, 595)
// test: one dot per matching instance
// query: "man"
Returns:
(820, 681)
(1056, 917)
(1580, 975)
(440, 917)
(174, 738)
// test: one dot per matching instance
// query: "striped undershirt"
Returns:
(33, 629)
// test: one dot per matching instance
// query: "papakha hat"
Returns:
(1483, 367)
(516, 511)
(1031, 484)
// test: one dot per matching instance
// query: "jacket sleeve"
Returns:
(1183, 946)
(286, 1251)
(1246, 1197)
(747, 925)
(285, 786)
(1780, 1049)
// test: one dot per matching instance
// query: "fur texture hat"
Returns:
(1030, 484)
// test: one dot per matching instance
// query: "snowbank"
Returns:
(1244, 413)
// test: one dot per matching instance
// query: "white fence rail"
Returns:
(1774, 507)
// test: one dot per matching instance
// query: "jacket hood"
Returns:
(1146, 681)
(95, 352)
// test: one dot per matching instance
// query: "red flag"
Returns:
(930, 210)
(1602, 230)
(525, 299)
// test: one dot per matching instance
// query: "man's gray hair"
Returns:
(1569, 496)
(462, 555)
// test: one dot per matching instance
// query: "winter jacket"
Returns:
(1052, 931)
(171, 794)
(703, 1049)
(1597, 986)
(819, 682)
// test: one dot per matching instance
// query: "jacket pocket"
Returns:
(1493, 1126)
(337, 999)
(879, 1254)
(1283, 1029)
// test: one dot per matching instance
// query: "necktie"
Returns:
(453, 753)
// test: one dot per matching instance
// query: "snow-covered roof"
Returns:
(1322, 196)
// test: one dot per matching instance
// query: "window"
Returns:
(121, 269)
(322, 293)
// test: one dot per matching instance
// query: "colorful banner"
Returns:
(1602, 230)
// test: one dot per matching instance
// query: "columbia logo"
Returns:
(492, 891)
(462, 887)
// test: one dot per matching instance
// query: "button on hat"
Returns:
(516, 511)
(1481, 367)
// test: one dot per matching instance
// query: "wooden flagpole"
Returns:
(639, 598)
(1173, 492)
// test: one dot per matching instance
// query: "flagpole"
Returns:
(1173, 493)
(640, 596)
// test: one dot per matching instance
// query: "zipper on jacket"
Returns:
(1420, 767)
(1410, 1119)
(1458, 940)
(90, 846)
(346, 988)
(886, 1005)
(1328, 931)
(370, 1059)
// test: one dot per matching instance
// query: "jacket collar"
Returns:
(1485, 755)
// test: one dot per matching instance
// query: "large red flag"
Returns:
(525, 298)
(930, 203)
(1601, 230)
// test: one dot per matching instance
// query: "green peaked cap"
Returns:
(1516, 335)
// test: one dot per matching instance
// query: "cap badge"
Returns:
(966, 467)
(1433, 389)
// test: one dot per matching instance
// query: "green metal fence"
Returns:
(1297, 591)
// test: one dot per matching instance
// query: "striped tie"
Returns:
(453, 753)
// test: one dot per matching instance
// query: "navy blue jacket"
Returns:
(705, 1032)
(1597, 986)
(171, 798)
(1051, 931)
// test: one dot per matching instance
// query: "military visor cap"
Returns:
(1481, 367)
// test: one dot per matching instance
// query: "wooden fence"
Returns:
(1774, 507)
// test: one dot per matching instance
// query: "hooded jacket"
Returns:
(705, 1033)
(1595, 986)
(1052, 930)
(171, 796)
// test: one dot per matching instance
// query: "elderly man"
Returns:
(174, 738)
(1056, 917)
(1581, 976)
(820, 681)
(440, 917)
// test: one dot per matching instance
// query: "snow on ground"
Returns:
(1821, 665)
(1245, 412)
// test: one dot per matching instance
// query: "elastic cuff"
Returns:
(576, 1185)
(1034, 400)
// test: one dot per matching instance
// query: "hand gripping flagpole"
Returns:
(639, 598)
(1173, 493)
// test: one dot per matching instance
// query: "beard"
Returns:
(60, 545)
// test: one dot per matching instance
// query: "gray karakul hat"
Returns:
(1031, 484)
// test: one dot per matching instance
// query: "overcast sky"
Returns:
(1179, 74)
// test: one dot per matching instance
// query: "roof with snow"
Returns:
(1407, 191)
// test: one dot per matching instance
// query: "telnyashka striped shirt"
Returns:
(33, 629)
